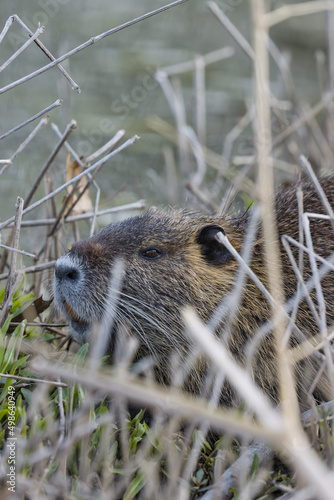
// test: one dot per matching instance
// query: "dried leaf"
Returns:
(85, 203)
(31, 312)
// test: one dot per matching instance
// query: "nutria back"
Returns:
(173, 259)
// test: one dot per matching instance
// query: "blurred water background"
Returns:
(117, 86)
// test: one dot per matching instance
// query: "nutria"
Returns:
(173, 259)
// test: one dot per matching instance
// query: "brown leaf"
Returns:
(84, 204)
(31, 312)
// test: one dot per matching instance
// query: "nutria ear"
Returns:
(212, 249)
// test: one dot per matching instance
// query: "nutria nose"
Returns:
(66, 271)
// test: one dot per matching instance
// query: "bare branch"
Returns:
(69, 129)
(137, 205)
(27, 254)
(19, 150)
(33, 380)
(241, 40)
(89, 42)
(32, 269)
(57, 103)
(16, 18)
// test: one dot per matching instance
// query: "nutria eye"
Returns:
(151, 253)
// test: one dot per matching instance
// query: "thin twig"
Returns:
(238, 377)
(8, 24)
(200, 100)
(309, 170)
(137, 205)
(33, 37)
(101, 332)
(209, 58)
(89, 42)
(224, 20)
(108, 146)
(69, 129)
(33, 380)
(17, 227)
(235, 132)
(223, 239)
(11, 249)
(72, 181)
(41, 325)
(61, 429)
(57, 103)
(264, 330)
(315, 110)
(40, 45)
(32, 269)
(21, 147)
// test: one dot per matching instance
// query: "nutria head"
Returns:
(170, 260)
(174, 259)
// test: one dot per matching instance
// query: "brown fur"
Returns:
(187, 273)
